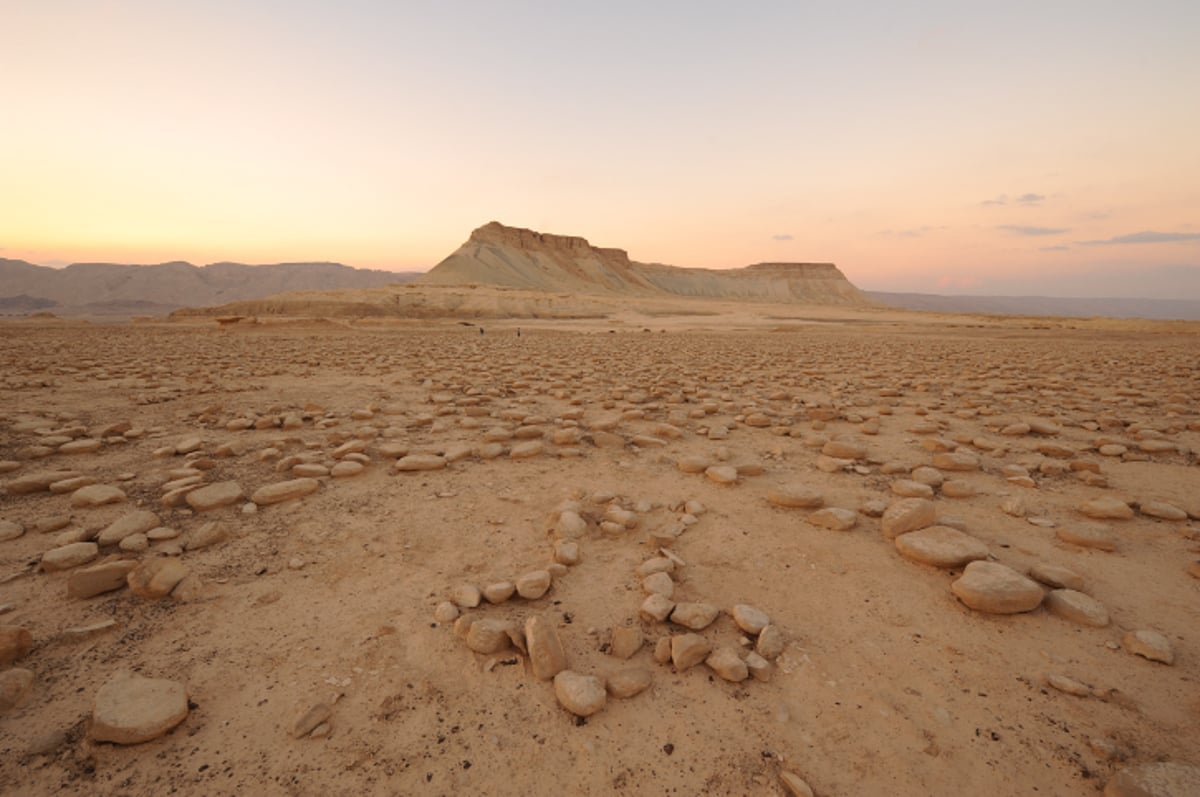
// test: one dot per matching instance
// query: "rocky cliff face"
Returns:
(519, 258)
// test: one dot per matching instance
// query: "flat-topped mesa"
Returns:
(515, 257)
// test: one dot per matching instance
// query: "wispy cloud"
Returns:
(1146, 237)
(1030, 199)
(782, 237)
(912, 232)
(1021, 229)
(1053, 248)
(1026, 200)
(1000, 200)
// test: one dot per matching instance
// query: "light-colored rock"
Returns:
(1155, 779)
(10, 530)
(16, 683)
(749, 619)
(722, 474)
(628, 681)
(69, 556)
(499, 591)
(38, 482)
(571, 524)
(795, 785)
(1149, 645)
(1077, 607)
(419, 462)
(1056, 576)
(582, 695)
(489, 636)
(656, 608)
(566, 552)
(1106, 507)
(624, 641)
(206, 536)
(658, 584)
(694, 464)
(214, 496)
(138, 522)
(941, 546)
(155, 578)
(1099, 537)
(87, 582)
(527, 450)
(835, 518)
(795, 497)
(955, 461)
(1068, 685)
(534, 584)
(1162, 510)
(688, 650)
(445, 612)
(770, 643)
(696, 616)
(289, 490)
(466, 596)
(994, 588)
(957, 488)
(905, 515)
(727, 664)
(15, 643)
(546, 655)
(310, 720)
(908, 488)
(130, 709)
(97, 495)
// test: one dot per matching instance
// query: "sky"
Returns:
(952, 147)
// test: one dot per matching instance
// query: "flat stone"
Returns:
(688, 650)
(15, 644)
(87, 582)
(534, 584)
(130, 709)
(499, 591)
(1149, 645)
(656, 608)
(957, 488)
(69, 556)
(15, 685)
(658, 584)
(284, 491)
(909, 488)
(624, 642)
(97, 495)
(214, 496)
(994, 588)
(315, 716)
(138, 522)
(546, 655)
(418, 462)
(1068, 685)
(795, 497)
(155, 578)
(489, 636)
(795, 785)
(628, 681)
(696, 616)
(1162, 510)
(693, 464)
(467, 596)
(722, 474)
(1077, 607)
(10, 530)
(1157, 779)
(749, 619)
(582, 695)
(955, 461)
(905, 515)
(941, 546)
(38, 482)
(206, 536)
(1056, 576)
(1098, 537)
(527, 450)
(835, 518)
(727, 664)
(1106, 507)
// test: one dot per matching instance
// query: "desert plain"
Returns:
(698, 548)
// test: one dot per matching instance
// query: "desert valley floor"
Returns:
(326, 631)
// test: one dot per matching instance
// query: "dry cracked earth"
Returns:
(842, 559)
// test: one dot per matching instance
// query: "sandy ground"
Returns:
(888, 684)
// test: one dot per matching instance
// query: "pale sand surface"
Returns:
(887, 685)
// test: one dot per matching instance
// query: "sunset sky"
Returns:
(1047, 148)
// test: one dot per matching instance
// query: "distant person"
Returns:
(518, 332)
(481, 330)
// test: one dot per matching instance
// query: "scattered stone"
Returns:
(1098, 537)
(624, 642)
(88, 582)
(582, 695)
(796, 497)
(749, 619)
(905, 515)
(533, 585)
(1162, 510)
(214, 496)
(656, 608)
(994, 588)
(310, 720)
(795, 784)
(130, 709)
(499, 592)
(15, 643)
(466, 596)
(546, 654)
(957, 488)
(1157, 779)
(1106, 507)
(155, 578)
(955, 461)
(138, 522)
(628, 681)
(909, 488)
(770, 643)
(693, 464)
(69, 556)
(1149, 645)
(722, 474)
(284, 491)
(688, 650)
(1069, 685)
(941, 546)
(1056, 576)
(206, 536)
(1077, 607)
(445, 612)
(696, 616)
(38, 482)
(566, 552)
(418, 462)
(726, 663)
(488, 636)
(835, 518)
(10, 530)
(658, 584)
(15, 685)
(97, 495)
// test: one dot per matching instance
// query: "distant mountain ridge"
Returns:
(1117, 307)
(113, 290)
(514, 257)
